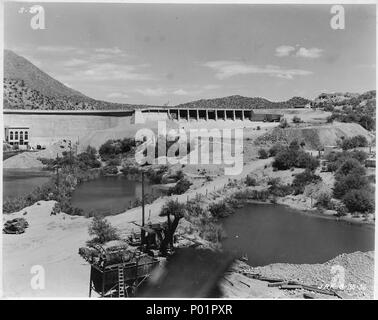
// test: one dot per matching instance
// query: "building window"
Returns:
(26, 135)
(16, 135)
(21, 135)
(11, 135)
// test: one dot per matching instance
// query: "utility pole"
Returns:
(142, 230)
(57, 172)
(70, 147)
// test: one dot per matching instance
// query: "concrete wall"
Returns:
(46, 129)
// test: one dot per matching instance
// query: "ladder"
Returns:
(121, 282)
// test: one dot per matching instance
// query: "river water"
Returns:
(266, 233)
(108, 195)
(269, 233)
(19, 182)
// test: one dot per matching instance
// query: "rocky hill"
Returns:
(28, 87)
(241, 102)
(358, 108)
(18, 68)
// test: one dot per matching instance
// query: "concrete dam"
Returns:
(94, 127)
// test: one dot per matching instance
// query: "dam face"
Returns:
(46, 129)
(94, 127)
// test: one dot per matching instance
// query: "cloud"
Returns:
(118, 95)
(211, 86)
(95, 72)
(181, 92)
(284, 51)
(74, 62)
(225, 69)
(114, 50)
(152, 92)
(311, 53)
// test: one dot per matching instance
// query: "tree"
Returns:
(344, 184)
(220, 209)
(181, 187)
(359, 201)
(250, 181)
(354, 142)
(284, 123)
(102, 230)
(305, 160)
(284, 160)
(304, 178)
(296, 119)
(350, 166)
(275, 149)
(263, 154)
(171, 209)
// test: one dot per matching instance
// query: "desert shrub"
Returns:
(109, 169)
(88, 159)
(336, 159)
(344, 184)
(324, 200)
(263, 154)
(250, 181)
(304, 178)
(350, 166)
(293, 156)
(220, 209)
(354, 142)
(284, 123)
(296, 119)
(102, 230)
(341, 209)
(359, 201)
(173, 208)
(275, 149)
(115, 147)
(329, 119)
(259, 195)
(306, 161)
(114, 162)
(284, 160)
(179, 175)
(181, 187)
(194, 209)
(14, 204)
(212, 232)
(294, 146)
(156, 175)
(276, 188)
(130, 169)
(281, 190)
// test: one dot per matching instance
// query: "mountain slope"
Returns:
(245, 103)
(18, 68)
(27, 87)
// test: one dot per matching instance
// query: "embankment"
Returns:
(314, 136)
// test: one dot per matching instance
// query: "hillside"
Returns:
(18, 68)
(314, 137)
(347, 107)
(27, 87)
(241, 102)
